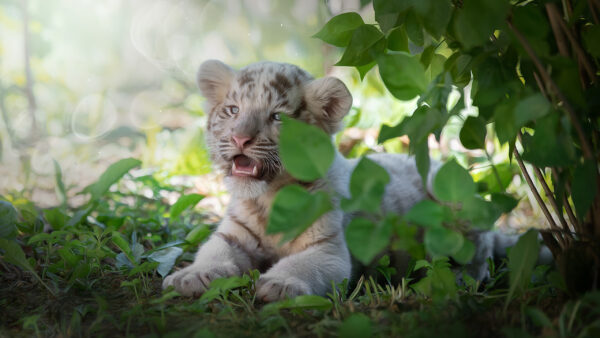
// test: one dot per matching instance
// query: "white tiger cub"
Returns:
(244, 110)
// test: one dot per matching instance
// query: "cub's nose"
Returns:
(242, 141)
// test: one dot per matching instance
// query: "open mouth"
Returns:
(244, 166)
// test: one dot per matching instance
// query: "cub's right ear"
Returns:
(214, 80)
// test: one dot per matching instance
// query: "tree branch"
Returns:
(28, 76)
(587, 150)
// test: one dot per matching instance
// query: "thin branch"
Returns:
(587, 150)
(558, 34)
(593, 11)
(550, 196)
(551, 8)
(567, 205)
(537, 196)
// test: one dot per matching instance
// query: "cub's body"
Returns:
(244, 109)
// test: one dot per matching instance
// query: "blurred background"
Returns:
(85, 83)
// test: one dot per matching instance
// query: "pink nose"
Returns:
(242, 141)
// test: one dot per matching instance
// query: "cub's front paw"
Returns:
(195, 279)
(273, 288)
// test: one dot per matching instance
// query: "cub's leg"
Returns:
(309, 271)
(218, 257)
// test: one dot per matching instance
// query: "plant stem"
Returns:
(28, 76)
(537, 196)
(587, 150)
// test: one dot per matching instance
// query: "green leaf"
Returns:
(8, 220)
(363, 70)
(285, 217)
(476, 20)
(427, 213)
(584, 183)
(591, 36)
(551, 145)
(13, 254)
(453, 183)
(304, 302)
(440, 282)
(367, 185)
(414, 29)
(403, 75)
(198, 234)
(435, 15)
(531, 108)
(388, 13)
(220, 286)
(111, 176)
(521, 261)
(338, 31)
(482, 214)
(166, 259)
(122, 244)
(465, 253)
(56, 217)
(366, 43)
(538, 317)
(440, 241)
(472, 133)
(305, 150)
(421, 150)
(184, 202)
(357, 325)
(366, 239)
(61, 192)
(504, 121)
(398, 40)
(504, 202)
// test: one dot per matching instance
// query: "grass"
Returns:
(103, 264)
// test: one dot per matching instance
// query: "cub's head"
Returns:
(245, 109)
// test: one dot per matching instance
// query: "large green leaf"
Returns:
(388, 13)
(166, 259)
(482, 214)
(521, 261)
(585, 178)
(465, 253)
(294, 210)
(531, 108)
(440, 241)
(8, 220)
(453, 183)
(184, 202)
(551, 145)
(435, 15)
(367, 185)
(338, 30)
(427, 213)
(476, 20)
(472, 133)
(366, 43)
(366, 239)
(402, 74)
(305, 150)
(111, 176)
(418, 126)
(398, 40)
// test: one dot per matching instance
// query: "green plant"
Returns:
(532, 70)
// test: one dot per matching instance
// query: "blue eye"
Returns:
(276, 116)
(234, 109)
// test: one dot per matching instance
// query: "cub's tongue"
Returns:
(244, 166)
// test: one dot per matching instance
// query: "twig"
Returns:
(571, 112)
(567, 205)
(593, 11)
(551, 8)
(537, 196)
(558, 34)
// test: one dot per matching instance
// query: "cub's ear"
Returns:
(214, 79)
(329, 100)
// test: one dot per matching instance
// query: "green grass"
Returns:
(102, 266)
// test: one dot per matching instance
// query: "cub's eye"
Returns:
(276, 116)
(233, 109)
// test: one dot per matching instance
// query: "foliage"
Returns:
(532, 79)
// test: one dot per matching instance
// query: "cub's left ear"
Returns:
(329, 101)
